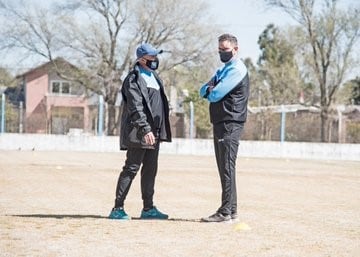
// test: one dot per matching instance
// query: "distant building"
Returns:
(53, 104)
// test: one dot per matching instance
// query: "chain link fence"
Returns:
(303, 126)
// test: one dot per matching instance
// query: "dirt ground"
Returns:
(56, 204)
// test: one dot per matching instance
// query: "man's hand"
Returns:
(149, 138)
(211, 85)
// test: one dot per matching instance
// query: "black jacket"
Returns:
(233, 107)
(136, 117)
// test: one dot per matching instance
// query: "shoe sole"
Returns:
(122, 218)
(224, 221)
(153, 218)
(215, 221)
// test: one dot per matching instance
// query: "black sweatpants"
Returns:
(135, 157)
(226, 144)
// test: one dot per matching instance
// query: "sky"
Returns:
(247, 19)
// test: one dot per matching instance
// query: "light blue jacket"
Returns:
(225, 79)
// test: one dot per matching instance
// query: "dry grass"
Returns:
(56, 204)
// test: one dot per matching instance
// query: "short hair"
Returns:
(228, 37)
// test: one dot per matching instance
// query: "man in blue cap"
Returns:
(144, 124)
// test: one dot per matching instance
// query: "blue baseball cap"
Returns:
(147, 49)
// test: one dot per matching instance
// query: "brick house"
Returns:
(54, 105)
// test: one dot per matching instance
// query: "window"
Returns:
(60, 87)
(55, 87)
(65, 89)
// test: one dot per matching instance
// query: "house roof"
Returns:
(60, 62)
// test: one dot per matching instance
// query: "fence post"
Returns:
(191, 120)
(21, 118)
(341, 137)
(282, 129)
(2, 113)
(101, 115)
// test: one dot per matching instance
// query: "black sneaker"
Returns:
(217, 217)
(234, 217)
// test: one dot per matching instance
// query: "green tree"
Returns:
(6, 79)
(355, 96)
(188, 81)
(13, 96)
(258, 96)
(13, 93)
(327, 36)
(350, 92)
(278, 68)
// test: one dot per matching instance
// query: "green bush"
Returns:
(353, 132)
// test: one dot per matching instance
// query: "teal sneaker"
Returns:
(118, 214)
(153, 213)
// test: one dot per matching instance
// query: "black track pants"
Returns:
(226, 144)
(134, 158)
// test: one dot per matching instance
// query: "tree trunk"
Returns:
(111, 119)
(323, 115)
(329, 126)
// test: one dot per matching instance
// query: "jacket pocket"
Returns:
(136, 138)
(133, 135)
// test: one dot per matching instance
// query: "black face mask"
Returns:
(153, 65)
(225, 56)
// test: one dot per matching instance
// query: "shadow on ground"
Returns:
(59, 216)
(78, 216)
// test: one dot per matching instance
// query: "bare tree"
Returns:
(100, 37)
(31, 30)
(327, 39)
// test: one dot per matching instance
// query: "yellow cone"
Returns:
(241, 226)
